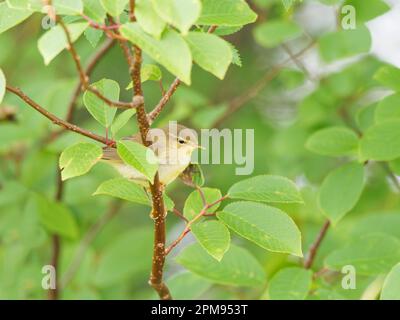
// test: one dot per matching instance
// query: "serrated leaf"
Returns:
(345, 43)
(391, 286)
(148, 19)
(114, 7)
(266, 188)
(266, 226)
(236, 58)
(181, 14)
(389, 76)
(11, 17)
(121, 120)
(2, 85)
(341, 190)
(238, 267)
(388, 109)
(54, 41)
(210, 52)
(98, 108)
(381, 142)
(79, 159)
(333, 141)
(139, 157)
(164, 51)
(128, 190)
(226, 13)
(370, 255)
(273, 33)
(213, 236)
(194, 202)
(290, 284)
(94, 10)
(56, 217)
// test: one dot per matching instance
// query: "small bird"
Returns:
(173, 146)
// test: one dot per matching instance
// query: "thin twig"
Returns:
(253, 91)
(308, 262)
(179, 214)
(87, 240)
(85, 79)
(62, 123)
(190, 223)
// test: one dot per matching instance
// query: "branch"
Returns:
(62, 123)
(85, 79)
(87, 240)
(253, 91)
(190, 223)
(308, 262)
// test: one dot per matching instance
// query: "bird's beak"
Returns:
(200, 147)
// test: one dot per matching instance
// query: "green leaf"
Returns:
(56, 217)
(68, 7)
(62, 7)
(93, 36)
(213, 236)
(121, 120)
(193, 176)
(365, 13)
(54, 41)
(381, 142)
(94, 10)
(333, 141)
(344, 43)
(165, 51)
(11, 17)
(79, 159)
(210, 52)
(148, 72)
(98, 108)
(114, 7)
(370, 255)
(341, 191)
(266, 188)
(388, 109)
(391, 286)
(226, 31)
(181, 14)
(266, 226)
(194, 202)
(290, 284)
(389, 76)
(148, 19)
(2, 85)
(365, 116)
(273, 33)
(187, 286)
(226, 13)
(123, 189)
(115, 262)
(128, 190)
(238, 267)
(139, 157)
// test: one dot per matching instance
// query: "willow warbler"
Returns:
(173, 146)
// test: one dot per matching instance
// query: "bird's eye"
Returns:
(181, 141)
